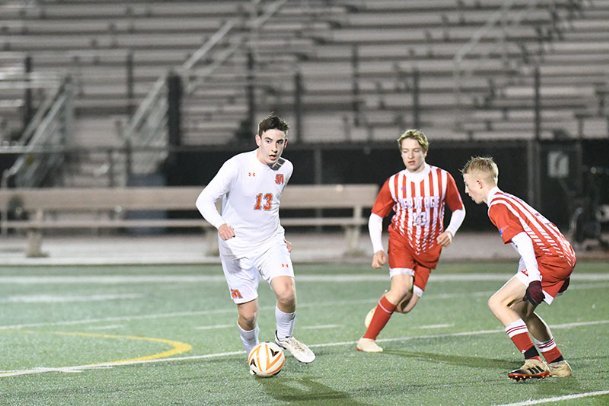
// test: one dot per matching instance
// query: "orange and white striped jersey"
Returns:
(512, 215)
(418, 201)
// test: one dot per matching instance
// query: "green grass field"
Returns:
(166, 335)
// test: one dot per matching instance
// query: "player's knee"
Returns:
(285, 290)
(247, 316)
(493, 303)
(247, 321)
(399, 293)
(286, 296)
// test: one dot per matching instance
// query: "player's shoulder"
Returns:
(285, 162)
(438, 170)
(243, 156)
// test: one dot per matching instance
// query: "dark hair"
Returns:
(272, 122)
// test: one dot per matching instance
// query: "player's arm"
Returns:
(382, 207)
(524, 245)
(511, 230)
(375, 229)
(455, 204)
(206, 202)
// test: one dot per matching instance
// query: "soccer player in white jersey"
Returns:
(546, 263)
(417, 195)
(251, 239)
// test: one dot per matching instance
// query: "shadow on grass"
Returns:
(305, 390)
(460, 360)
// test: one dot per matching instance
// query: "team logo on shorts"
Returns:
(279, 178)
(235, 294)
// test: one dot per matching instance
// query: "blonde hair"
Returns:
(417, 135)
(485, 167)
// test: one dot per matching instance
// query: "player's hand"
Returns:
(226, 232)
(534, 294)
(288, 245)
(379, 259)
(445, 239)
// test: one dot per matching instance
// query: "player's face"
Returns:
(473, 188)
(270, 146)
(413, 155)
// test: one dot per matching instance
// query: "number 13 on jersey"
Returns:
(264, 201)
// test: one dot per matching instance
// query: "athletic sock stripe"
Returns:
(383, 308)
(548, 345)
(511, 332)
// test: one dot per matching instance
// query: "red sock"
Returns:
(549, 350)
(382, 314)
(519, 334)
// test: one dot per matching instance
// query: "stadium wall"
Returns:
(373, 163)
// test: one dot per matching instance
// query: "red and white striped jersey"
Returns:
(512, 216)
(418, 201)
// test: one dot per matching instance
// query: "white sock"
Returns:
(249, 338)
(285, 323)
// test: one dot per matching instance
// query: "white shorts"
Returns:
(268, 261)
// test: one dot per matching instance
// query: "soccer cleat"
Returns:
(532, 368)
(560, 369)
(298, 350)
(367, 345)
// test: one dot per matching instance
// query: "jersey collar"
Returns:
(417, 176)
(491, 194)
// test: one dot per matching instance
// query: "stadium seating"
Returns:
(362, 64)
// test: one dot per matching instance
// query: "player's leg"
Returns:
(500, 305)
(542, 335)
(401, 285)
(242, 280)
(246, 323)
(276, 268)
(285, 309)
(401, 271)
(419, 283)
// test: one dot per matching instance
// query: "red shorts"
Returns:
(402, 256)
(555, 274)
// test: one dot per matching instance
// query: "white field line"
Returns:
(80, 368)
(231, 310)
(216, 327)
(435, 326)
(68, 298)
(301, 278)
(109, 327)
(559, 398)
(320, 326)
(228, 310)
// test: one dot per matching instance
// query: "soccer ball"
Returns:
(266, 359)
(368, 318)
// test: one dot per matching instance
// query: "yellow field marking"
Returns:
(177, 346)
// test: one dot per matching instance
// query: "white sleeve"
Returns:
(524, 246)
(375, 229)
(456, 219)
(217, 187)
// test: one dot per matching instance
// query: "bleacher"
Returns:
(362, 63)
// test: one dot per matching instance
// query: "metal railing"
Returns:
(508, 21)
(148, 126)
(50, 127)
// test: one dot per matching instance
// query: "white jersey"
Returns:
(251, 192)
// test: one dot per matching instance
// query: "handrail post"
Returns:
(355, 84)
(130, 82)
(416, 107)
(250, 90)
(27, 97)
(298, 90)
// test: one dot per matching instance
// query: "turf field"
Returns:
(166, 335)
